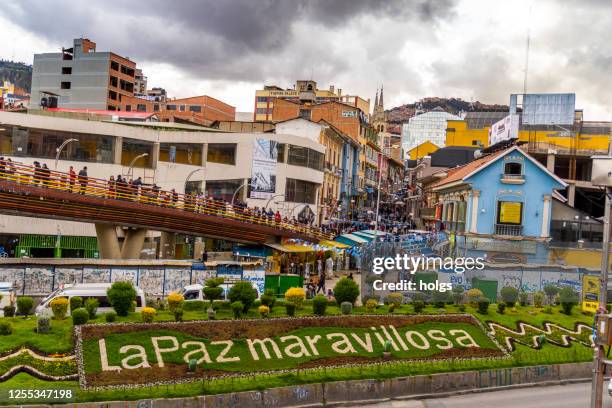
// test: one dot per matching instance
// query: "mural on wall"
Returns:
(125, 275)
(257, 277)
(66, 276)
(96, 275)
(151, 280)
(38, 280)
(13, 275)
(176, 278)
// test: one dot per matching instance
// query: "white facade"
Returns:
(429, 126)
(166, 174)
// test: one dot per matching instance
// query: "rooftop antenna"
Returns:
(527, 50)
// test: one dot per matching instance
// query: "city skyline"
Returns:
(445, 49)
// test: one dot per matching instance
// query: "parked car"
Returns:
(86, 291)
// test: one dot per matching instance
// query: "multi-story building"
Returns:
(140, 84)
(6, 88)
(429, 126)
(303, 91)
(81, 77)
(215, 162)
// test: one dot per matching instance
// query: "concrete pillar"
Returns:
(545, 217)
(155, 157)
(167, 245)
(117, 149)
(107, 241)
(550, 161)
(571, 194)
(133, 243)
(474, 215)
(204, 154)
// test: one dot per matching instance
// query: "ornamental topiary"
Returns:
(419, 305)
(243, 292)
(509, 295)
(551, 291)
(319, 304)
(59, 307)
(80, 316)
(121, 295)
(237, 308)
(290, 309)
(538, 299)
(395, 299)
(523, 298)
(43, 324)
(9, 311)
(110, 316)
(568, 298)
(483, 305)
(178, 314)
(91, 304)
(473, 296)
(264, 311)
(24, 305)
(268, 298)
(346, 308)
(75, 303)
(371, 305)
(501, 308)
(6, 328)
(295, 296)
(147, 314)
(175, 301)
(458, 294)
(212, 290)
(346, 290)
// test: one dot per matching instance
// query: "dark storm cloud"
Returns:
(248, 40)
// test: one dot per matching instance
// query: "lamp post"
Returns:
(236, 192)
(131, 167)
(60, 148)
(272, 198)
(191, 174)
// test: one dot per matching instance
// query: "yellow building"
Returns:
(305, 91)
(6, 88)
(422, 150)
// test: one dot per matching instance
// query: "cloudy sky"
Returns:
(473, 49)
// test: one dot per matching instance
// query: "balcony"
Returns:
(512, 178)
(510, 230)
(428, 213)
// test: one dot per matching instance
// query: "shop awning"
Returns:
(291, 247)
(352, 240)
(334, 244)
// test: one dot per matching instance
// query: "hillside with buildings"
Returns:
(401, 114)
(17, 73)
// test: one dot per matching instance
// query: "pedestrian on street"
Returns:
(83, 179)
(72, 176)
(321, 285)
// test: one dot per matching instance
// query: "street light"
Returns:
(191, 174)
(272, 198)
(60, 148)
(131, 167)
(237, 190)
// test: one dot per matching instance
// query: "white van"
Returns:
(86, 291)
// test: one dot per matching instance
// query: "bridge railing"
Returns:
(143, 194)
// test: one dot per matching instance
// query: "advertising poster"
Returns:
(257, 277)
(505, 129)
(590, 293)
(263, 173)
(510, 212)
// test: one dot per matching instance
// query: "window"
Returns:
(114, 81)
(185, 153)
(65, 85)
(224, 153)
(224, 189)
(66, 70)
(262, 99)
(302, 156)
(156, 108)
(114, 66)
(112, 95)
(182, 108)
(195, 108)
(170, 107)
(128, 108)
(133, 148)
(280, 152)
(305, 113)
(191, 295)
(474, 142)
(513, 169)
(263, 111)
(141, 107)
(300, 191)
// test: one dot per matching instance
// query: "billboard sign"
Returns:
(505, 129)
(263, 173)
(590, 293)
(545, 109)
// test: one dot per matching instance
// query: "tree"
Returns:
(244, 292)
(509, 295)
(551, 291)
(121, 295)
(213, 291)
(569, 298)
(346, 290)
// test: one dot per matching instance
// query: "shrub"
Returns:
(79, 316)
(483, 305)
(121, 295)
(295, 296)
(75, 303)
(346, 290)
(9, 311)
(256, 303)
(473, 296)
(548, 309)
(147, 314)
(197, 305)
(346, 308)
(538, 299)
(523, 298)
(110, 316)
(178, 314)
(91, 305)
(462, 308)
(395, 299)
(290, 308)
(458, 294)
(501, 308)
(419, 305)
(268, 298)
(419, 296)
(175, 301)
(392, 307)
(243, 292)
(212, 314)
(371, 305)
(6, 328)
(24, 305)
(264, 310)
(509, 295)
(59, 307)
(568, 298)
(441, 298)
(551, 291)
(43, 324)
(319, 304)
(212, 290)
(237, 308)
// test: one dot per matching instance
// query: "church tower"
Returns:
(379, 117)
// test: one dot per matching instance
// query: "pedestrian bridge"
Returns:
(27, 191)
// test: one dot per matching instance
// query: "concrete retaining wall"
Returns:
(345, 392)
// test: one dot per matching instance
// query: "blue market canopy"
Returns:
(352, 240)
